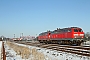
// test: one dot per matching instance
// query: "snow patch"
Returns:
(49, 54)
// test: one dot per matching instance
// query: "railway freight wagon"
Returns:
(71, 35)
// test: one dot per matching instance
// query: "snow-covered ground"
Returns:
(87, 43)
(49, 54)
(11, 54)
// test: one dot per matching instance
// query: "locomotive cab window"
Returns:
(69, 30)
(49, 33)
(75, 30)
(80, 30)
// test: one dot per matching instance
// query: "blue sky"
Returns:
(32, 17)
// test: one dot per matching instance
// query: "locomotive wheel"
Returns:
(40, 41)
(63, 42)
(59, 42)
(70, 43)
(51, 41)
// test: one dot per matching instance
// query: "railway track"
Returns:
(80, 50)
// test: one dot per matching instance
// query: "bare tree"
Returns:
(87, 35)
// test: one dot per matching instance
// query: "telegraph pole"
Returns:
(14, 35)
(36, 37)
(22, 34)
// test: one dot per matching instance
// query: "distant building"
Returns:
(27, 37)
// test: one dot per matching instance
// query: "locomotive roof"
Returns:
(43, 33)
(57, 30)
(63, 29)
(74, 27)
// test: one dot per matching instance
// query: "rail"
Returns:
(80, 50)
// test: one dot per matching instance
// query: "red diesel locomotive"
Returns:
(72, 35)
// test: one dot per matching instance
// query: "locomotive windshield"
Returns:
(80, 30)
(75, 30)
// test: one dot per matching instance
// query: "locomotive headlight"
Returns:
(82, 37)
(49, 36)
(75, 36)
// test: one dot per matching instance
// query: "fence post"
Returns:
(4, 56)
